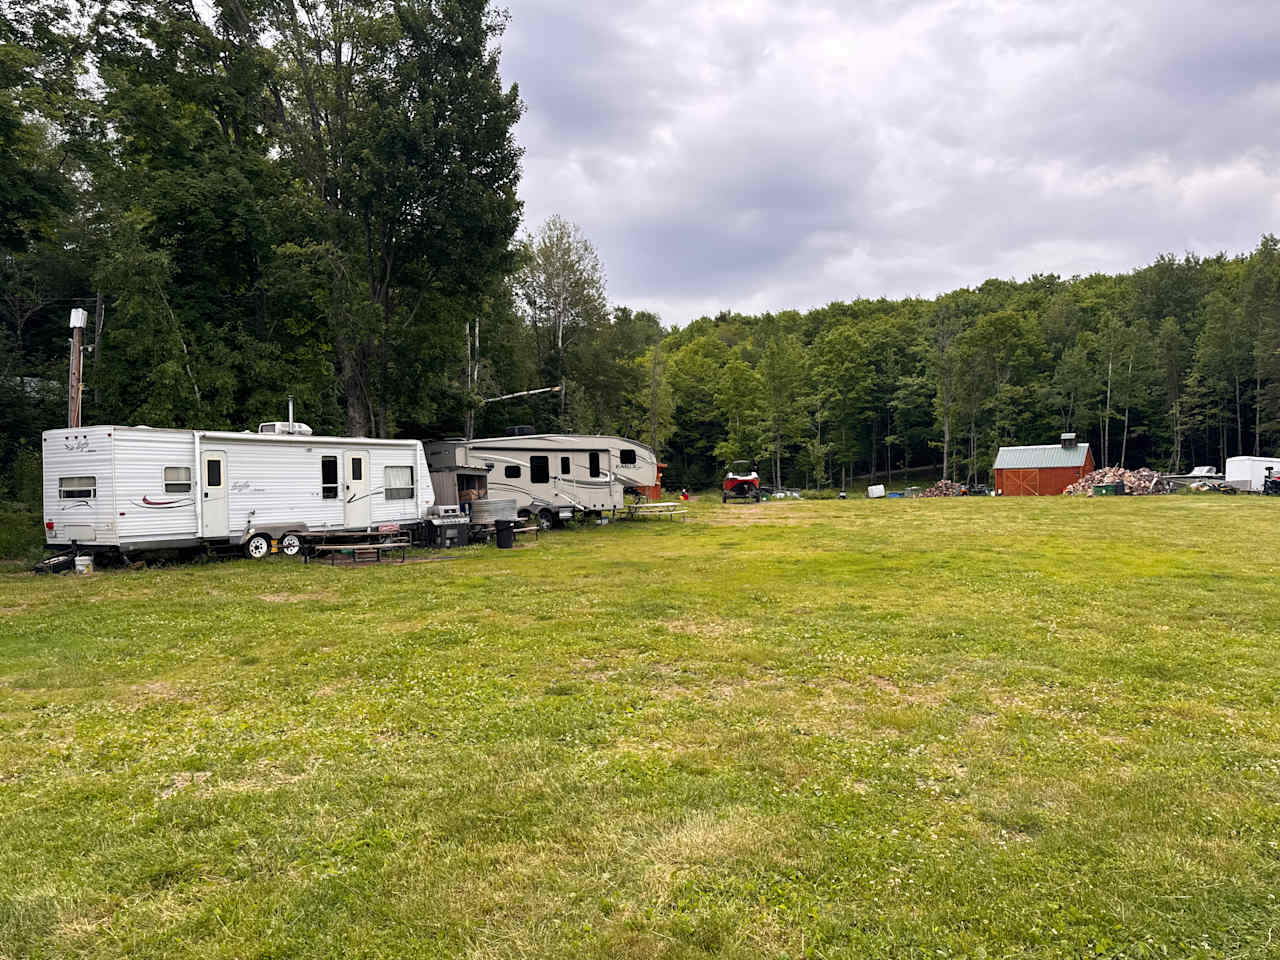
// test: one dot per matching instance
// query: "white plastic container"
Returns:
(875, 491)
(84, 563)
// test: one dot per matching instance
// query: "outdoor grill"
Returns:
(448, 527)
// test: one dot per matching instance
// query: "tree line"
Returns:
(1172, 365)
(318, 198)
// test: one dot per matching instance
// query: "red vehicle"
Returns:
(741, 482)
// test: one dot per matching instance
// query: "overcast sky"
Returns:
(760, 155)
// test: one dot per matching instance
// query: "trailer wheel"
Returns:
(546, 519)
(290, 544)
(257, 546)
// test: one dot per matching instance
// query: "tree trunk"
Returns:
(946, 442)
(98, 317)
(1239, 421)
(1257, 413)
(1106, 424)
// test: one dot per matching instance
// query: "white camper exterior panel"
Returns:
(140, 488)
(147, 509)
(79, 485)
(1248, 473)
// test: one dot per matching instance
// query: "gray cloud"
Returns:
(764, 155)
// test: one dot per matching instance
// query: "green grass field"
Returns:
(988, 728)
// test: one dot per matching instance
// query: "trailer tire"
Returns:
(290, 544)
(546, 519)
(257, 546)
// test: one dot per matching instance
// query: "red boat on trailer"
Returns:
(741, 482)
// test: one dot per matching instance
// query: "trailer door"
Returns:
(213, 508)
(591, 473)
(357, 511)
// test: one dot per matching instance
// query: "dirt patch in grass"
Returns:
(157, 690)
(711, 839)
(182, 780)
(753, 515)
(316, 595)
(710, 629)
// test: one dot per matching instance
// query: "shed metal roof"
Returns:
(1042, 457)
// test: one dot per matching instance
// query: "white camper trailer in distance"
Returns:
(133, 489)
(1250, 473)
(554, 476)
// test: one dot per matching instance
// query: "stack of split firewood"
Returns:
(1138, 482)
(945, 488)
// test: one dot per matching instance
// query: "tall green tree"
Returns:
(395, 118)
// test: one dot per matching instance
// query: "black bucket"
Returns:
(506, 534)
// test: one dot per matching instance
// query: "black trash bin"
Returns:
(506, 530)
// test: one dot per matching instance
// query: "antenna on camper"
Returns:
(506, 396)
(291, 414)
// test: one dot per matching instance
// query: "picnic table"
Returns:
(358, 545)
(669, 509)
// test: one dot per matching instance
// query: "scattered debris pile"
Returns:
(1213, 486)
(1137, 482)
(946, 488)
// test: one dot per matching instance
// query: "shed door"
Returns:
(357, 488)
(213, 507)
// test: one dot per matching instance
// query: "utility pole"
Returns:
(473, 374)
(75, 384)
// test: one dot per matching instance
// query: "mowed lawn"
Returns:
(1012, 727)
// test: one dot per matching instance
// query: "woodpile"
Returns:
(946, 488)
(1137, 482)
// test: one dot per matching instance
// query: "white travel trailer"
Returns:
(132, 489)
(1250, 473)
(554, 476)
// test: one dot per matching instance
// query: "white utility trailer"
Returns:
(134, 489)
(554, 476)
(1250, 473)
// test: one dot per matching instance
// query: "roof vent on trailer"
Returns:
(521, 431)
(1068, 441)
(285, 428)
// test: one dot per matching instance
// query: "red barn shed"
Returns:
(1042, 471)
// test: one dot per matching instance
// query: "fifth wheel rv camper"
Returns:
(552, 477)
(133, 489)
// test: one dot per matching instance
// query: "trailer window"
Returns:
(357, 468)
(511, 472)
(593, 463)
(329, 478)
(213, 472)
(564, 466)
(177, 479)
(627, 456)
(77, 488)
(397, 483)
(539, 470)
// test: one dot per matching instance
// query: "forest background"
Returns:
(257, 198)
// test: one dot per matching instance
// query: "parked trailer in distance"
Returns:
(1250, 473)
(136, 489)
(554, 477)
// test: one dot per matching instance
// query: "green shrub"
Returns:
(21, 538)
